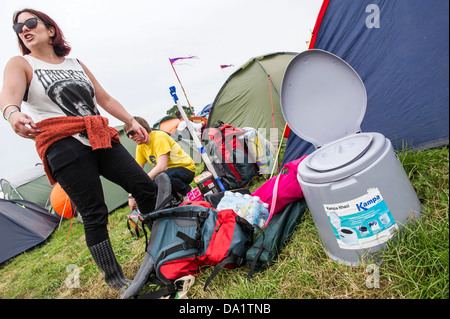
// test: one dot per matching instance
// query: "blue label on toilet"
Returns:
(363, 222)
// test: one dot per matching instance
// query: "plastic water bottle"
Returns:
(263, 212)
(264, 215)
(228, 201)
(246, 206)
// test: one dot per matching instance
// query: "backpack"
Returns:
(230, 156)
(185, 238)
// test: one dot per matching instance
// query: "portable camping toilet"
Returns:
(356, 188)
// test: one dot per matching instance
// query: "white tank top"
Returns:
(60, 90)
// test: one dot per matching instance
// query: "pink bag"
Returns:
(281, 190)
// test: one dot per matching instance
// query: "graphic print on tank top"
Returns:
(69, 89)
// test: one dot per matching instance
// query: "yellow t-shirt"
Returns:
(161, 143)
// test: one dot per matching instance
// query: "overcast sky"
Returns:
(127, 46)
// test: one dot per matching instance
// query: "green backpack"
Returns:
(274, 237)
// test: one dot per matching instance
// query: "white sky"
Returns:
(127, 44)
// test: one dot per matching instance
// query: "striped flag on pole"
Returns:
(223, 66)
(182, 58)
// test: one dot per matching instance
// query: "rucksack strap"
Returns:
(245, 225)
(191, 242)
(201, 215)
(168, 290)
(231, 259)
(188, 243)
(145, 271)
(255, 260)
(178, 288)
(274, 199)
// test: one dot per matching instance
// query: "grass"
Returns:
(415, 266)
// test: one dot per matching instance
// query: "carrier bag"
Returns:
(134, 223)
(274, 237)
(230, 156)
(184, 238)
(281, 190)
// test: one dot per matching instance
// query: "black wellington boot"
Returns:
(105, 259)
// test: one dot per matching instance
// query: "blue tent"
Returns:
(400, 50)
(205, 112)
(23, 225)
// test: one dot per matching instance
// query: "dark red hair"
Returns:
(60, 46)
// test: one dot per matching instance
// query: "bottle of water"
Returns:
(264, 215)
(261, 217)
(246, 206)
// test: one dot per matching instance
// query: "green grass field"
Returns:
(415, 266)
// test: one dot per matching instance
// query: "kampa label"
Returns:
(363, 222)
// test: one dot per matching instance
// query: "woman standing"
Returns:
(73, 140)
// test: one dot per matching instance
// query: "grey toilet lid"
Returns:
(322, 97)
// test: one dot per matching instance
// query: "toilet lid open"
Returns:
(322, 97)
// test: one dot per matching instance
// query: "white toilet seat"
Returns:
(329, 164)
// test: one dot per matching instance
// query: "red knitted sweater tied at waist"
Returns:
(54, 129)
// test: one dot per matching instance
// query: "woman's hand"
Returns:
(135, 126)
(23, 125)
(132, 203)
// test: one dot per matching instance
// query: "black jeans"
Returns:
(180, 177)
(77, 168)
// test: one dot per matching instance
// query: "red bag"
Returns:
(197, 203)
(281, 190)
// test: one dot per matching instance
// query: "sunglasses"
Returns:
(31, 23)
(131, 133)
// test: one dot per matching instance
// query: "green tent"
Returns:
(32, 184)
(247, 97)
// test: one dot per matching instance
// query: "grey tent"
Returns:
(23, 225)
(251, 95)
(30, 184)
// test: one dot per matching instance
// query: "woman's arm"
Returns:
(15, 82)
(112, 106)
